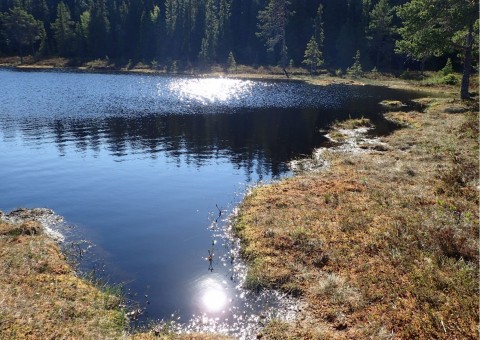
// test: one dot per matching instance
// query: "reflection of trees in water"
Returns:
(259, 141)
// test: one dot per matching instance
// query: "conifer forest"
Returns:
(384, 35)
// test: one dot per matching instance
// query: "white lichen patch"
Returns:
(353, 141)
(46, 217)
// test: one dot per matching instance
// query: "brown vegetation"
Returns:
(382, 244)
(42, 298)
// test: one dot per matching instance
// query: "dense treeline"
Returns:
(194, 31)
(314, 33)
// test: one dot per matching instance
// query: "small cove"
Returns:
(138, 164)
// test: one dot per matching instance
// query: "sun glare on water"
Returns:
(211, 90)
(213, 296)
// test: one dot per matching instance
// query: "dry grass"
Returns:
(353, 123)
(379, 245)
(42, 298)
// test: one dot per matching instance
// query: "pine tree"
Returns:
(171, 14)
(380, 30)
(431, 28)
(272, 28)
(63, 30)
(150, 34)
(157, 24)
(313, 56)
(99, 29)
(318, 28)
(191, 34)
(208, 52)
(82, 33)
(352, 32)
(448, 68)
(217, 14)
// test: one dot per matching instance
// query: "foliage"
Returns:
(313, 56)
(231, 63)
(412, 75)
(64, 30)
(23, 29)
(435, 28)
(448, 68)
(203, 33)
(380, 31)
(450, 79)
(210, 39)
(356, 69)
(272, 27)
(99, 29)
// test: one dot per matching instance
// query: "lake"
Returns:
(141, 167)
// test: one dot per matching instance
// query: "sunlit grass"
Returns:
(41, 296)
(383, 244)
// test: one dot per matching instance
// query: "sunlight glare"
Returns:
(214, 297)
(210, 90)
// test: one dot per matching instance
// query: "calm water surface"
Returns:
(139, 165)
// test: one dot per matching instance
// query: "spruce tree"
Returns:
(313, 56)
(210, 39)
(231, 63)
(318, 28)
(448, 68)
(99, 29)
(356, 69)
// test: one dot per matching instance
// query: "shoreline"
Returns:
(285, 195)
(340, 236)
(41, 293)
(43, 296)
(267, 73)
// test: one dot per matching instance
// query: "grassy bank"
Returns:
(382, 244)
(41, 297)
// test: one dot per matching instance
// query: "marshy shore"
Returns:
(381, 243)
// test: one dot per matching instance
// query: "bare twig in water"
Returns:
(219, 213)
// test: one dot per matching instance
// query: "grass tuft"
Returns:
(337, 291)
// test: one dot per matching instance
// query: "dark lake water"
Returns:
(138, 164)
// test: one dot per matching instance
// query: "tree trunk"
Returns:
(32, 45)
(20, 51)
(422, 66)
(467, 65)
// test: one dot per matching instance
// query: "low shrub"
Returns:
(450, 79)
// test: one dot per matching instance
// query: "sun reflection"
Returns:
(210, 90)
(214, 298)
